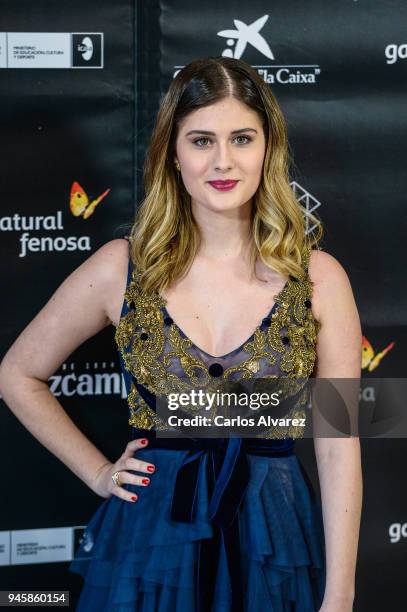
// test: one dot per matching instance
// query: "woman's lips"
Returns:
(223, 185)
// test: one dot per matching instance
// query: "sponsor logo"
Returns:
(87, 50)
(80, 205)
(308, 201)
(51, 50)
(371, 359)
(244, 35)
(397, 531)
(45, 545)
(40, 244)
(97, 379)
(250, 36)
(395, 52)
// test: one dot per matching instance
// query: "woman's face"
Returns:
(221, 142)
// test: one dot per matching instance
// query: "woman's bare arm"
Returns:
(338, 458)
(84, 304)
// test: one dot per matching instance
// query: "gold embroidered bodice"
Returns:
(159, 356)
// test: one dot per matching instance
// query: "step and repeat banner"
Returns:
(68, 91)
(80, 85)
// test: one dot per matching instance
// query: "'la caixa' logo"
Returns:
(87, 50)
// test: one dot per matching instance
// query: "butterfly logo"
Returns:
(79, 201)
(370, 360)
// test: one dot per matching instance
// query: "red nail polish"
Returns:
(150, 468)
(143, 441)
(145, 481)
(134, 497)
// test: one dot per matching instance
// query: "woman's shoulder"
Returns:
(117, 249)
(329, 279)
(323, 265)
(113, 261)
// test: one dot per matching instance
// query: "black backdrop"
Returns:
(338, 71)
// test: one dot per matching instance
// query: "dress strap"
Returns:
(305, 256)
(130, 268)
(125, 310)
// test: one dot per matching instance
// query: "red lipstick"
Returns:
(223, 185)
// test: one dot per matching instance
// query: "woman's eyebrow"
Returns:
(207, 133)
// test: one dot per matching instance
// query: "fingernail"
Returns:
(134, 497)
(150, 468)
(145, 481)
(143, 441)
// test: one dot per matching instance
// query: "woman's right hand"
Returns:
(103, 484)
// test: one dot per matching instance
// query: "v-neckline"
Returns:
(239, 348)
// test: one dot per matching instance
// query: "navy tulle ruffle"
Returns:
(134, 557)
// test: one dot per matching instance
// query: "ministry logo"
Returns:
(87, 50)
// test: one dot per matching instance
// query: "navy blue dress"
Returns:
(228, 524)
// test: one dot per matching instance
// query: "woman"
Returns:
(218, 251)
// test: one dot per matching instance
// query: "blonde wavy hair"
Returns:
(164, 237)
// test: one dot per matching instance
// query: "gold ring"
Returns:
(116, 479)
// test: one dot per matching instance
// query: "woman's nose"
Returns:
(223, 157)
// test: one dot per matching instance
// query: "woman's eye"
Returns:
(247, 139)
(200, 142)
